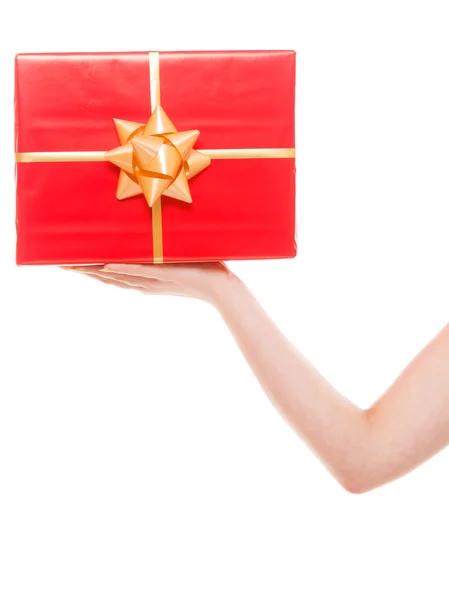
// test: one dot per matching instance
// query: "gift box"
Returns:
(155, 157)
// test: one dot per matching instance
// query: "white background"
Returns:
(138, 456)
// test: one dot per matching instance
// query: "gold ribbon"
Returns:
(99, 156)
(155, 159)
(156, 213)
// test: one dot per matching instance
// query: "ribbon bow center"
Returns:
(156, 159)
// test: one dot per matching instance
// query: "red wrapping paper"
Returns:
(67, 213)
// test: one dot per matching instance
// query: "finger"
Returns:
(136, 271)
(150, 286)
(83, 269)
(138, 282)
(143, 282)
(165, 272)
(93, 270)
(147, 286)
(131, 281)
(110, 281)
(155, 272)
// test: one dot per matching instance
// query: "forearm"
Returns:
(335, 429)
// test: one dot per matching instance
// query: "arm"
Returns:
(363, 449)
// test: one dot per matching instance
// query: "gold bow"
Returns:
(156, 159)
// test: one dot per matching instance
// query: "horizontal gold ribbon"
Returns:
(99, 156)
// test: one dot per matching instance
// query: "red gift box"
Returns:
(243, 204)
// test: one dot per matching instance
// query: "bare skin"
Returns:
(362, 449)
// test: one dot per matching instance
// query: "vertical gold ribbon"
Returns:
(156, 211)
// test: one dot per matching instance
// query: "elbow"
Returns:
(359, 483)
(355, 486)
(361, 471)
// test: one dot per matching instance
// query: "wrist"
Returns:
(227, 290)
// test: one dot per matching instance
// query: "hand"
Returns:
(205, 281)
